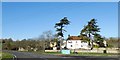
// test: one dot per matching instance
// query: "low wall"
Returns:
(52, 50)
(95, 50)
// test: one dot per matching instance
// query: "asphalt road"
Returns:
(35, 56)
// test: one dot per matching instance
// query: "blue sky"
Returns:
(28, 20)
(0, 20)
(60, 0)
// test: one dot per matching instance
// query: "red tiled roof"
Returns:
(74, 38)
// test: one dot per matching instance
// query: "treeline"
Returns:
(113, 42)
(28, 44)
(40, 43)
(9, 44)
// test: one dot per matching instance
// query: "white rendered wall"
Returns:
(76, 44)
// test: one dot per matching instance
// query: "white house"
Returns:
(75, 42)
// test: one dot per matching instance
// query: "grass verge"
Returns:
(83, 54)
(6, 56)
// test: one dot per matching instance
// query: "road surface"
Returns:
(36, 56)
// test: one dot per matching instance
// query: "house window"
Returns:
(76, 41)
(83, 42)
(69, 41)
(81, 46)
(71, 45)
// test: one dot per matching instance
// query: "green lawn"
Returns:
(6, 55)
(79, 54)
(0, 55)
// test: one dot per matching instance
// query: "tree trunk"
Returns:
(43, 46)
(91, 44)
(61, 38)
(90, 41)
(61, 31)
(60, 44)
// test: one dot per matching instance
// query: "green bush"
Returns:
(96, 46)
(110, 46)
